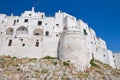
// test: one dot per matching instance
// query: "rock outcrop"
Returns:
(50, 68)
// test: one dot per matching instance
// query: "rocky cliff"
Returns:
(50, 68)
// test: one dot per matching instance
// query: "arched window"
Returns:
(85, 32)
(38, 31)
(22, 30)
(10, 31)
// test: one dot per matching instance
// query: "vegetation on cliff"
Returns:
(50, 68)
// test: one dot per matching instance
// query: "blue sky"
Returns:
(102, 15)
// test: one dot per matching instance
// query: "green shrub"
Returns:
(32, 59)
(93, 63)
(48, 57)
(55, 63)
(65, 63)
(14, 57)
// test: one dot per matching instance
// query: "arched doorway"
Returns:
(9, 31)
(38, 32)
(22, 30)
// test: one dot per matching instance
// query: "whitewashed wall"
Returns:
(48, 45)
(116, 57)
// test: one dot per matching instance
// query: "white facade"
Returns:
(34, 35)
(116, 57)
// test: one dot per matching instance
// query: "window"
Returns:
(14, 22)
(10, 31)
(29, 14)
(84, 31)
(56, 35)
(113, 56)
(57, 24)
(104, 55)
(21, 39)
(39, 23)
(37, 44)
(26, 20)
(23, 45)
(22, 30)
(17, 20)
(10, 43)
(42, 16)
(45, 23)
(1, 32)
(38, 32)
(37, 40)
(47, 33)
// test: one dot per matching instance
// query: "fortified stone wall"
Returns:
(73, 47)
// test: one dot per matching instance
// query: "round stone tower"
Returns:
(72, 46)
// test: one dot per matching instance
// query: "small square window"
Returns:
(26, 20)
(47, 33)
(39, 23)
(21, 39)
(57, 24)
(29, 14)
(23, 44)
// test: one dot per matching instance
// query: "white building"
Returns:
(34, 35)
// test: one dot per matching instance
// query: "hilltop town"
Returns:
(35, 35)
